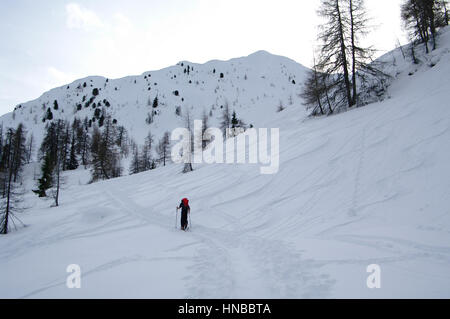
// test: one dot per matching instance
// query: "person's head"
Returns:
(185, 202)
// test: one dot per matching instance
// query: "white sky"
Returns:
(49, 43)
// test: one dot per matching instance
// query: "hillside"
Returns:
(368, 186)
(253, 86)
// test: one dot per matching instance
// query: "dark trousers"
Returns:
(184, 219)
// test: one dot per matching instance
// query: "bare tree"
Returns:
(163, 148)
(30, 149)
(311, 92)
(105, 152)
(342, 58)
(62, 133)
(146, 158)
(83, 142)
(400, 47)
(12, 159)
(360, 55)
(334, 51)
(315, 91)
(205, 126)
(422, 18)
(121, 140)
(445, 5)
(226, 119)
(149, 140)
(135, 166)
(20, 150)
(188, 125)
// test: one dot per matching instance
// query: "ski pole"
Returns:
(190, 223)
(176, 217)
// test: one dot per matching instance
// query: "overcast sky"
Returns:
(49, 43)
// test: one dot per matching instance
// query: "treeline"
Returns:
(66, 146)
(344, 74)
(15, 151)
(142, 157)
(422, 18)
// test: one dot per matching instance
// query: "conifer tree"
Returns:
(155, 102)
(30, 148)
(188, 125)
(342, 58)
(105, 152)
(12, 161)
(19, 151)
(226, 119)
(45, 182)
(422, 18)
(135, 162)
(73, 161)
(234, 120)
(163, 148)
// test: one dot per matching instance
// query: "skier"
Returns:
(185, 210)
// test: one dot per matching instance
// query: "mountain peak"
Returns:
(261, 53)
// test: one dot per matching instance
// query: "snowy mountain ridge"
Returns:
(254, 86)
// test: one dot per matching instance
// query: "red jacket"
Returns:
(184, 205)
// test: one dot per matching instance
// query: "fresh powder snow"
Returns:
(370, 186)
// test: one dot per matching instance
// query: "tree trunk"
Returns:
(30, 150)
(328, 100)
(8, 198)
(316, 81)
(57, 183)
(422, 34)
(445, 14)
(432, 24)
(8, 192)
(320, 106)
(413, 53)
(352, 25)
(344, 55)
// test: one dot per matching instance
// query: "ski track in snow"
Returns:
(231, 264)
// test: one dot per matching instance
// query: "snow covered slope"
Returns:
(370, 186)
(253, 86)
